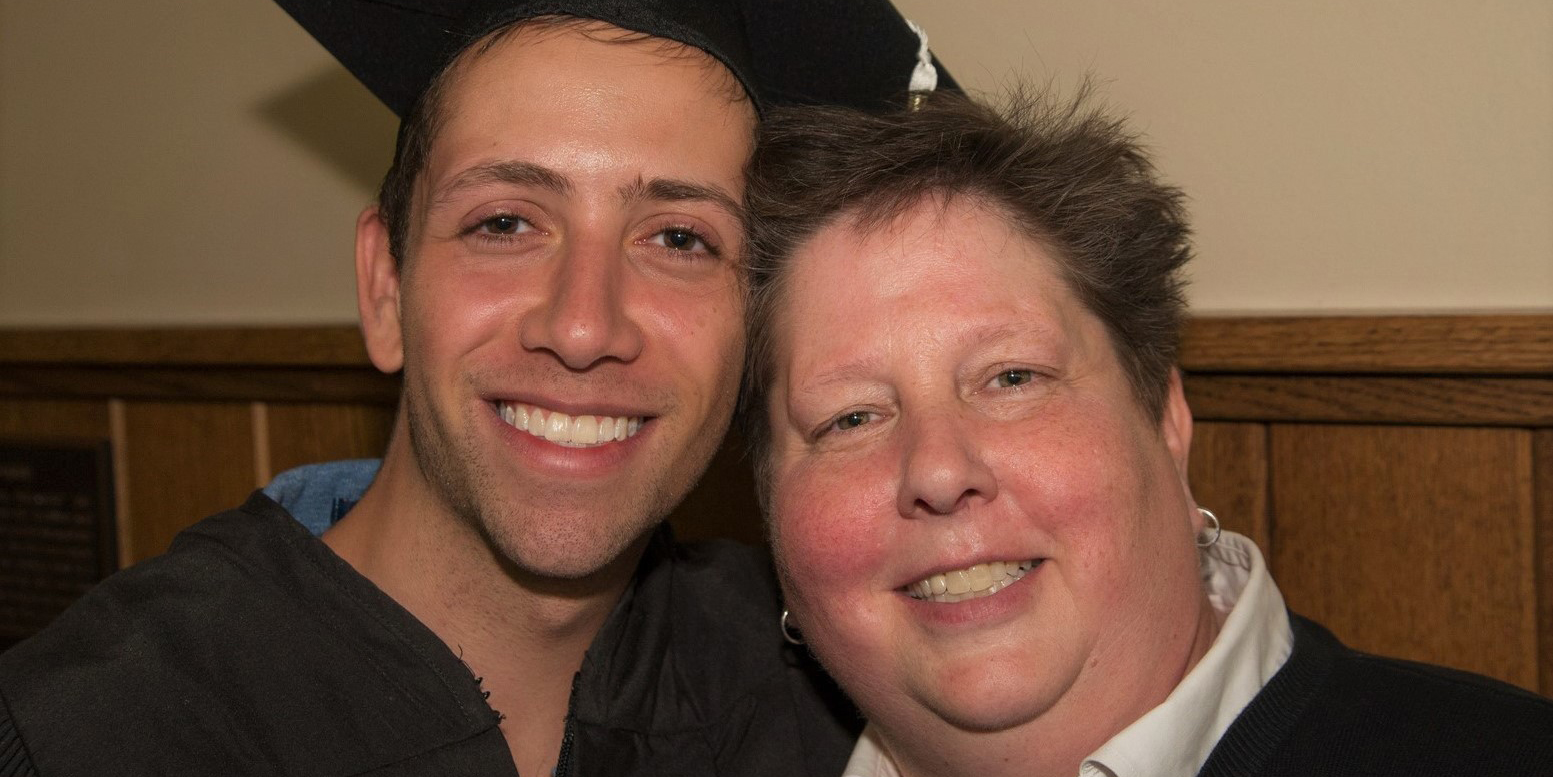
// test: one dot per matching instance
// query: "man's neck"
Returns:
(525, 636)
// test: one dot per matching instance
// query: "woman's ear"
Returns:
(377, 292)
(1176, 427)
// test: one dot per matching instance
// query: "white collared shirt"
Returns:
(1176, 737)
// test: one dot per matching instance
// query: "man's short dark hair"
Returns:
(1073, 179)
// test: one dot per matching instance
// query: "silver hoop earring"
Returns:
(787, 633)
(1211, 534)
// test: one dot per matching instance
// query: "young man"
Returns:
(554, 265)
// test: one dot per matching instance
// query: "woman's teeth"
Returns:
(971, 582)
(563, 429)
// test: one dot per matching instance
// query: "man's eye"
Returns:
(1012, 378)
(504, 225)
(680, 239)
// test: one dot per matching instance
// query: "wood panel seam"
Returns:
(259, 412)
(119, 444)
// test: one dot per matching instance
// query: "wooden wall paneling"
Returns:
(1228, 474)
(1542, 474)
(1412, 542)
(1428, 543)
(85, 419)
(305, 432)
(184, 461)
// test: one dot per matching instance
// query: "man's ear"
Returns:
(377, 292)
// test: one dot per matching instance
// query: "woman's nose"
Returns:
(944, 470)
(581, 316)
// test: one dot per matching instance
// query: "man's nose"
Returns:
(582, 316)
(943, 467)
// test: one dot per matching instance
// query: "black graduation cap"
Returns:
(858, 53)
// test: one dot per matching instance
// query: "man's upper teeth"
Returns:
(971, 582)
(564, 429)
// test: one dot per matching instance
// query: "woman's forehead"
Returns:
(937, 273)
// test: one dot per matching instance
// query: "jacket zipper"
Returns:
(563, 762)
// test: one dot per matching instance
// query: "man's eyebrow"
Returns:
(509, 172)
(672, 190)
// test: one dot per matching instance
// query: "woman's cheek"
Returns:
(830, 533)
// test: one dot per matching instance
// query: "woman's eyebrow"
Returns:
(864, 368)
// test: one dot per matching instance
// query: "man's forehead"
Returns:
(564, 112)
(534, 48)
(567, 93)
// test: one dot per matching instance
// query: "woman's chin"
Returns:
(989, 702)
(983, 691)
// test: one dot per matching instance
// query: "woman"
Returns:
(972, 444)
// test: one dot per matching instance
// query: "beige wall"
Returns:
(202, 162)
(183, 162)
(1340, 154)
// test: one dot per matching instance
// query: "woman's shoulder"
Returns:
(1417, 691)
(1335, 710)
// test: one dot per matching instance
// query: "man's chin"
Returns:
(570, 554)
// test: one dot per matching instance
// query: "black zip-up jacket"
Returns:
(250, 648)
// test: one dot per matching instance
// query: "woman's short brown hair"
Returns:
(1073, 179)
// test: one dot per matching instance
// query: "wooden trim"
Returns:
(1364, 399)
(1488, 344)
(317, 346)
(1446, 344)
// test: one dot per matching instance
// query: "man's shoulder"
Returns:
(141, 646)
(240, 645)
(167, 598)
(692, 674)
(715, 597)
(1357, 713)
(725, 601)
(743, 572)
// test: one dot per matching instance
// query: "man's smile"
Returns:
(564, 429)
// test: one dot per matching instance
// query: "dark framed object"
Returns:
(58, 534)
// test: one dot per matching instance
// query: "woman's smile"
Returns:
(973, 582)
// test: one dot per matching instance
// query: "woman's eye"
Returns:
(680, 239)
(852, 420)
(1012, 378)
